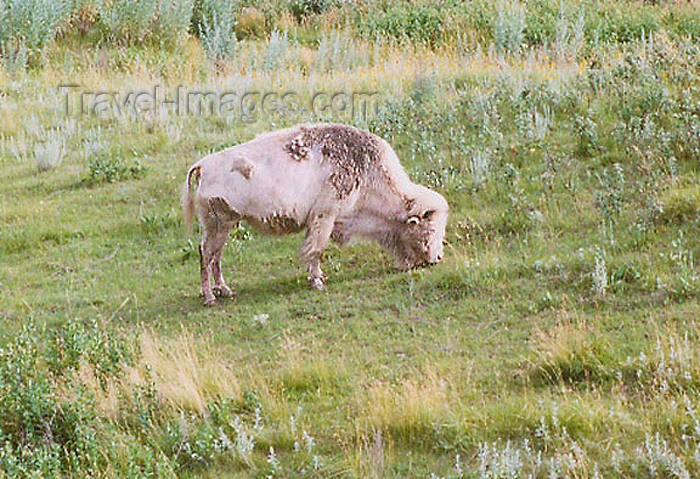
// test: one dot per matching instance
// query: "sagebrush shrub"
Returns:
(139, 21)
(276, 50)
(216, 29)
(27, 26)
(49, 154)
(509, 26)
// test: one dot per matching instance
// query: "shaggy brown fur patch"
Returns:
(275, 224)
(351, 151)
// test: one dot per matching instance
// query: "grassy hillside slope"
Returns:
(558, 338)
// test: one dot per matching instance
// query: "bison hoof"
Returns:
(317, 283)
(209, 301)
(223, 291)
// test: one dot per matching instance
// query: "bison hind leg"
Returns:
(220, 287)
(204, 271)
(216, 223)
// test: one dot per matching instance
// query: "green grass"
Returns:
(562, 324)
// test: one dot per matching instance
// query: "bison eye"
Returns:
(428, 214)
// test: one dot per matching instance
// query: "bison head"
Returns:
(422, 231)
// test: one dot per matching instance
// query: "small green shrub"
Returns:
(540, 22)
(45, 430)
(610, 197)
(623, 275)
(173, 20)
(421, 23)
(155, 223)
(613, 22)
(303, 8)
(586, 135)
(680, 204)
(110, 167)
(684, 21)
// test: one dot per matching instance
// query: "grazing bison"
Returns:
(334, 181)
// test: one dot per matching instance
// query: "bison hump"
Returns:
(351, 152)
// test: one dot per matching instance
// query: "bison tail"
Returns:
(186, 200)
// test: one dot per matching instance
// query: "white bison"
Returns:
(334, 181)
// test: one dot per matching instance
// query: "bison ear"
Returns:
(413, 220)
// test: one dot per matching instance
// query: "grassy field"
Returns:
(558, 338)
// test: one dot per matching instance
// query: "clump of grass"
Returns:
(302, 372)
(479, 167)
(571, 354)
(680, 204)
(657, 457)
(178, 376)
(186, 378)
(338, 50)
(687, 278)
(678, 276)
(587, 135)
(408, 410)
(372, 454)
(516, 218)
(250, 23)
(610, 198)
(569, 32)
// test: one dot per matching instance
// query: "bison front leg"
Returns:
(317, 236)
